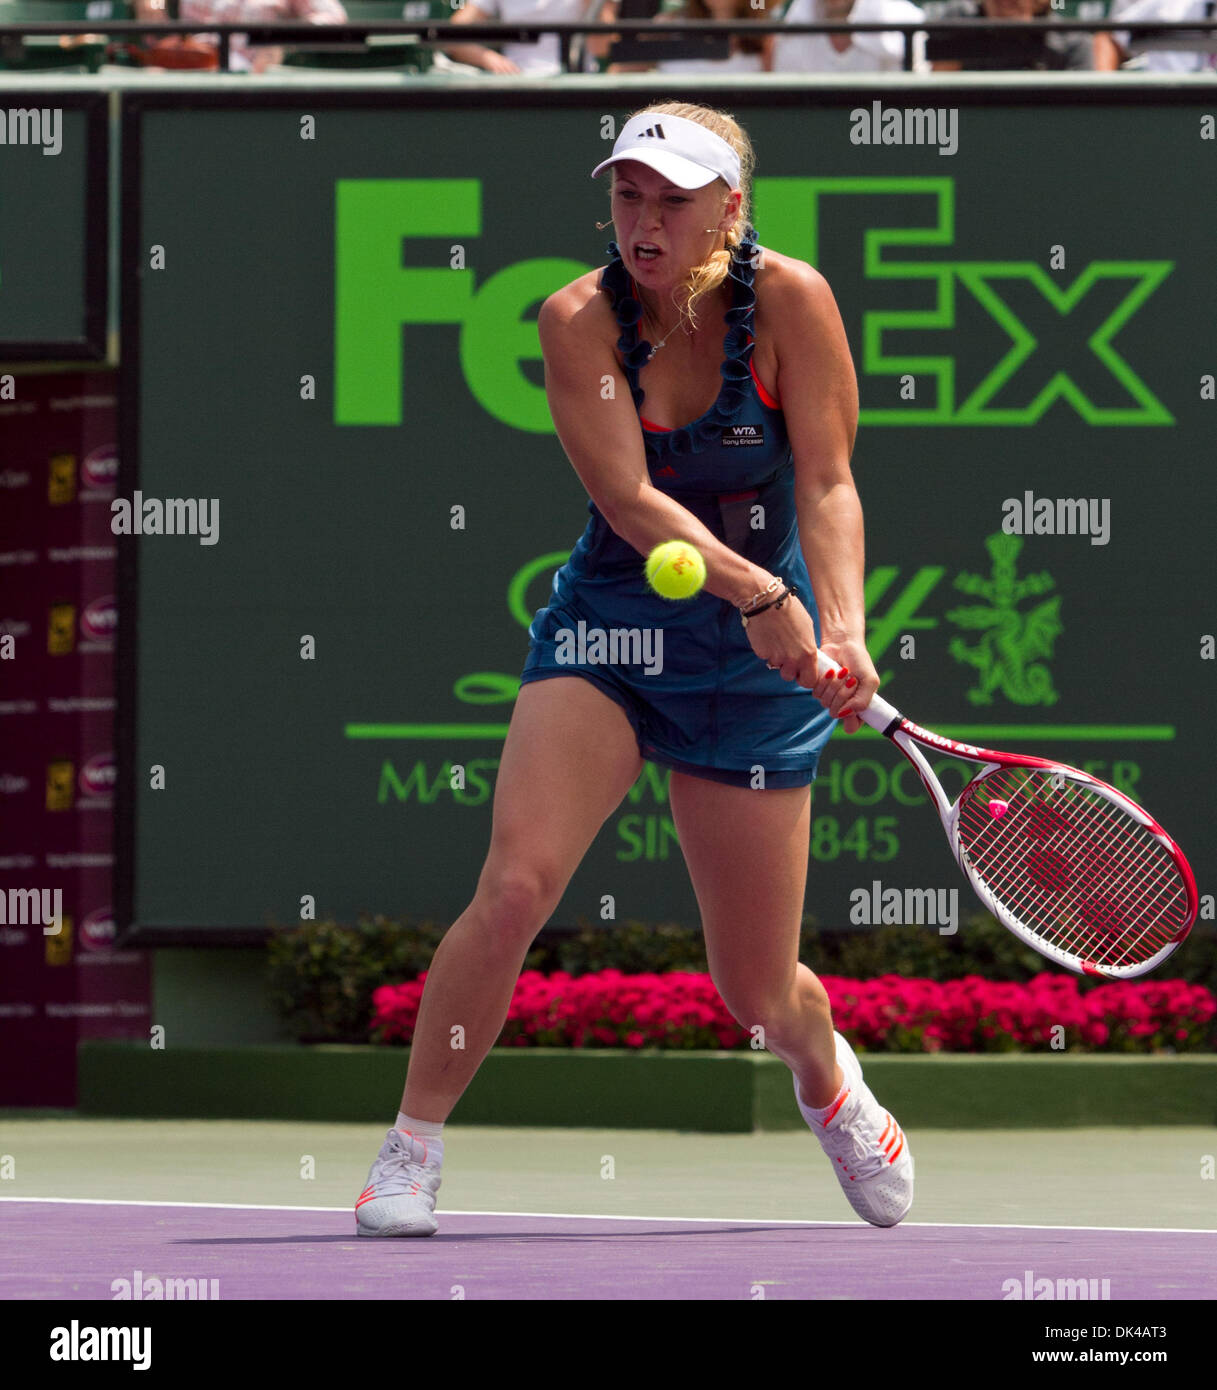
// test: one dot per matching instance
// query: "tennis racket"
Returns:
(1068, 864)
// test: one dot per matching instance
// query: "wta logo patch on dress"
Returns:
(743, 436)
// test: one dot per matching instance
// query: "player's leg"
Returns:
(747, 856)
(570, 755)
(569, 758)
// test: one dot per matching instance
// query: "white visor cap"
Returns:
(683, 152)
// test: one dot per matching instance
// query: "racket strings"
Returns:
(1072, 866)
(1077, 910)
(1061, 841)
(1066, 878)
(1073, 880)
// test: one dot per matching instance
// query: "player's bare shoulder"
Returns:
(792, 297)
(784, 283)
(577, 316)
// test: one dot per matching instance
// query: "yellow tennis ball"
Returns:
(675, 569)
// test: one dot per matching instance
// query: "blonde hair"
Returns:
(713, 270)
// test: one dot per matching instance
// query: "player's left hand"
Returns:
(854, 680)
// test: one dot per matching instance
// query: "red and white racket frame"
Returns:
(906, 735)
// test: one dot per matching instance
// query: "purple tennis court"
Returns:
(78, 1250)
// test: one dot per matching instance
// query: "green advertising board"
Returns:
(54, 217)
(330, 311)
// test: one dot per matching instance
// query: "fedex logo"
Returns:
(1050, 337)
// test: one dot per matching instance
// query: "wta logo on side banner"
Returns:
(99, 621)
(99, 776)
(98, 931)
(100, 469)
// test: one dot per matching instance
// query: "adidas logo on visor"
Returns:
(689, 149)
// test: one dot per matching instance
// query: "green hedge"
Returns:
(322, 974)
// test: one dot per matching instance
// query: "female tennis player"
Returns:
(737, 441)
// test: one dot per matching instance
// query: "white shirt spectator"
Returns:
(543, 58)
(1162, 60)
(866, 52)
(243, 57)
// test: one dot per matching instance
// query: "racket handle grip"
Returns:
(878, 714)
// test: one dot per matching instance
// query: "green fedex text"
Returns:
(376, 295)
(1054, 334)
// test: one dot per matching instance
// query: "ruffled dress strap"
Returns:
(737, 344)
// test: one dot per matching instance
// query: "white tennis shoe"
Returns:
(399, 1196)
(869, 1152)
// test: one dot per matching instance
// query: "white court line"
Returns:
(588, 1216)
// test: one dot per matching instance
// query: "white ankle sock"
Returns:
(822, 1114)
(429, 1131)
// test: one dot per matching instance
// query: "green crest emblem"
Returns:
(1007, 656)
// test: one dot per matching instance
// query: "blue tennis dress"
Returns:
(699, 698)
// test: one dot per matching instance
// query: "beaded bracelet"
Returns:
(786, 593)
(750, 606)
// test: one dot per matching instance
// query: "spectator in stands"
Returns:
(541, 59)
(747, 54)
(243, 57)
(991, 52)
(1111, 50)
(848, 52)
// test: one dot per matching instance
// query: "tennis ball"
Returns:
(675, 569)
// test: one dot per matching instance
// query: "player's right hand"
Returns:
(785, 640)
(495, 62)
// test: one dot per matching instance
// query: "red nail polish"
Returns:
(844, 671)
(832, 675)
(853, 680)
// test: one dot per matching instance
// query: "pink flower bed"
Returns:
(890, 1014)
